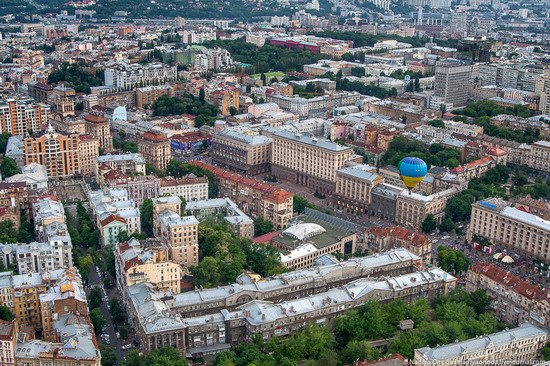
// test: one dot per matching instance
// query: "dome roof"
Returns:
(304, 231)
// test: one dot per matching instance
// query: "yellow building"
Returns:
(88, 150)
(181, 234)
(59, 153)
(135, 264)
(27, 289)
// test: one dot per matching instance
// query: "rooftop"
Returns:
(321, 143)
(462, 349)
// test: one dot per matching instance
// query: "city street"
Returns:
(116, 344)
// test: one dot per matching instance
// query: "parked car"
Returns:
(127, 346)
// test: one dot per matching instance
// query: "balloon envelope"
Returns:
(412, 171)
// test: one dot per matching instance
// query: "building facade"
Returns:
(516, 346)
(452, 80)
(507, 226)
(155, 149)
(21, 116)
(308, 161)
(247, 154)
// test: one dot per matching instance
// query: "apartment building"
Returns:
(14, 194)
(241, 224)
(477, 168)
(516, 346)
(380, 239)
(354, 185)
(65, 296)
(88, 151)
(56, 304)
(22, 116)
(412, 208)
(122, 76)
(114, 212)
(463, 128)
(148, 262)
(180, 233)
(190, 187)
(146, 96)
(221, 330)
(127, 164)
(539, 156)
(507, 226)
(8, 336)
(254, 197)
(139, 187)
(96, 125)
(59, 153)
(513, 299)
(155, 149)
(249, 154)
(46, 210)
(308, 161)
(37, 257)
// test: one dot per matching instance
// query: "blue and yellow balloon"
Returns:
(412, 170)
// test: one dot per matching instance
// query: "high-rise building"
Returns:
(21, 116)
(543, 89)
(58, 152)
(452, 80)
(181, 235)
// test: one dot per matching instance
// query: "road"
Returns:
(116, 344)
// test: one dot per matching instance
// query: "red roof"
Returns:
(112, 218)
(273, 193)
(266, 238)
(153, 137)
(415, 238)
(505, 278)
(95, 118)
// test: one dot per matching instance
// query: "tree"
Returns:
(452, 260)
(165, 356)
(95, 298)
(417, 83)
(122, 237)
(4, 137)
(147, 217)
(9, 167)
(446, 225)
(206, 273)
(202, 96)
(429, 224)
(443, 108)
(8, 234)
(84, 265)
(262, 226)
(108, 357)
(264, 79)
(546, 352)
(117, 311)
(406, 343)
(97, 319)
(6, 314)
(233, 111)
(300, 204)
(437, 123)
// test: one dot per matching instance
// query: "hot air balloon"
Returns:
(412, 171)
